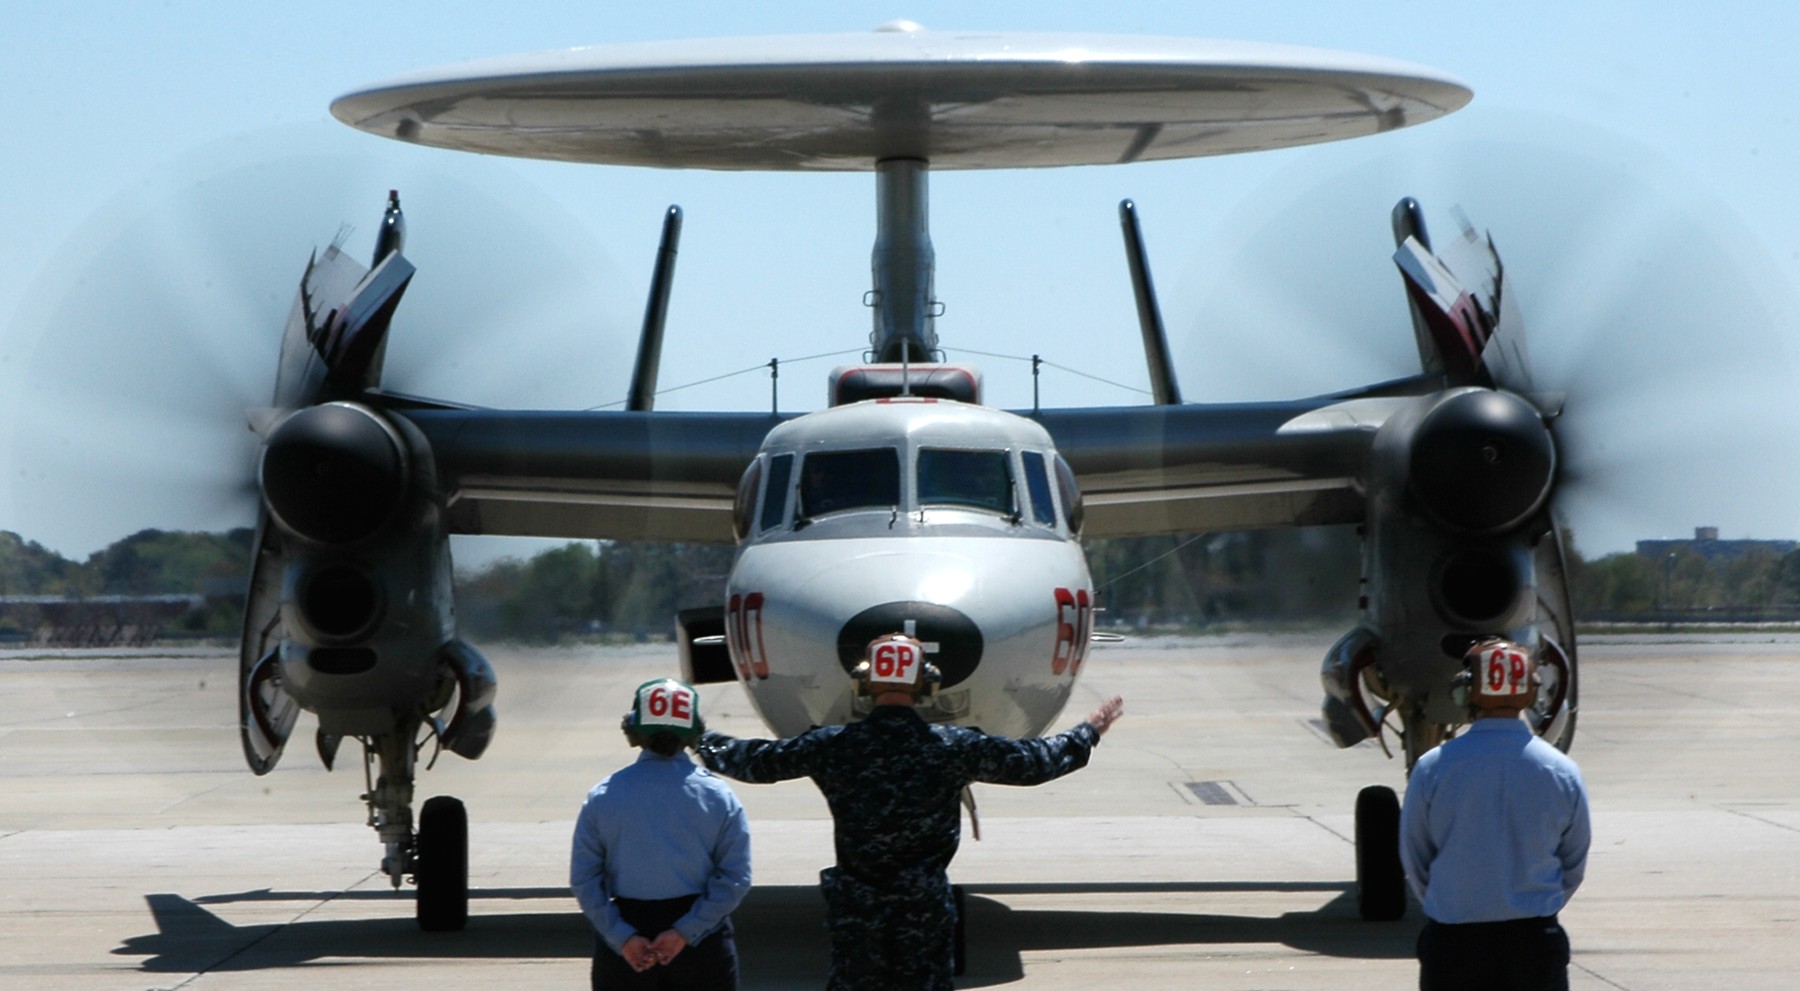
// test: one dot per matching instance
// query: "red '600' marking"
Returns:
(1074, 628)
(743, 635)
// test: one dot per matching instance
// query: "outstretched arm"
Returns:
(999, 760)
(762, 761)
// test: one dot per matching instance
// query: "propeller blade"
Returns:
(157, 327)
(1649, 312)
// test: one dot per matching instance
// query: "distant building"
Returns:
(1707, 544)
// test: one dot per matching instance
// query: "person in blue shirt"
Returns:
(1494, 836)
(893, 783)
(661, 856)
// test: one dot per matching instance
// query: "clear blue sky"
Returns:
(172, 164)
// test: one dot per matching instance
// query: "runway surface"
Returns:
(1207, 845)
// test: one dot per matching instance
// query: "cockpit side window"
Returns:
(1071, 494)
(836, 480)
(977, 479)
(774, 505)
(745, 503)
(1037, 483)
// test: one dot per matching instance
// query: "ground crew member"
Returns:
(1494, 835)
(893, 783)
(662, 856)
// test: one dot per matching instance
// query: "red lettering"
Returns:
(894, 662)
(735, 640)
(759, 657)
(1074, 628)
(1084, 629)
(743, 613)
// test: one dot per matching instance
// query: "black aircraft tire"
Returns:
(959, 946)
(1380, 879)
(442, 870)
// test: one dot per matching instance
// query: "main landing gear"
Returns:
(436, 856)
(1380, 879)
(441, 865)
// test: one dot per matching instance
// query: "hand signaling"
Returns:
(1108, 713)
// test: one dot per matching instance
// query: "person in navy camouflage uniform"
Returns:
(893, 783)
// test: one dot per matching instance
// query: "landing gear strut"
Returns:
(436, 856)
(1380, 877)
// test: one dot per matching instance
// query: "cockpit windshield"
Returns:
(836, 480)
(977, 479)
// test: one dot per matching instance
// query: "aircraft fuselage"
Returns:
(939, 519)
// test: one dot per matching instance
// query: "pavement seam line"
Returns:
(1756, 818)
(1589, 971)
(272, 930)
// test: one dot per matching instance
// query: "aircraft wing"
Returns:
(607, 475)
(672, 475)
(1183, 468)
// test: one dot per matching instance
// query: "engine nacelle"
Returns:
(1476, 460)
(1458, 544)
(334, 473)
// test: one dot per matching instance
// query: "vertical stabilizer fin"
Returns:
(354, 341)
(391, 238)
(1156, 341)
(1467, 324)
(1408, 220)
(642, 396)
(1455, 331)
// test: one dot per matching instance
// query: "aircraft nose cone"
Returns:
(952, 640)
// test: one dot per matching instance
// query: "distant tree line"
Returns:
(1191, 580)
(635, 589)
(591, 589)
(212, 567)
(1685, 586)
(630, 589)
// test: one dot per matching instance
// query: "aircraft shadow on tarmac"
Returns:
(780, 930)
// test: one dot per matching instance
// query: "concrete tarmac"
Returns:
(1207, 845)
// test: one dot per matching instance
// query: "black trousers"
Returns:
(1515, 955)
(895, 936)
(709, 965)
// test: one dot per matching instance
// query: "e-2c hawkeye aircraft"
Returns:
(906, 504)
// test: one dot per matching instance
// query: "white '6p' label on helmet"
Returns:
(1504, 672)
(895, 661)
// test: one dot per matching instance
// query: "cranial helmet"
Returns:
(895, 662)
(665, 706)
(1497, 674)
